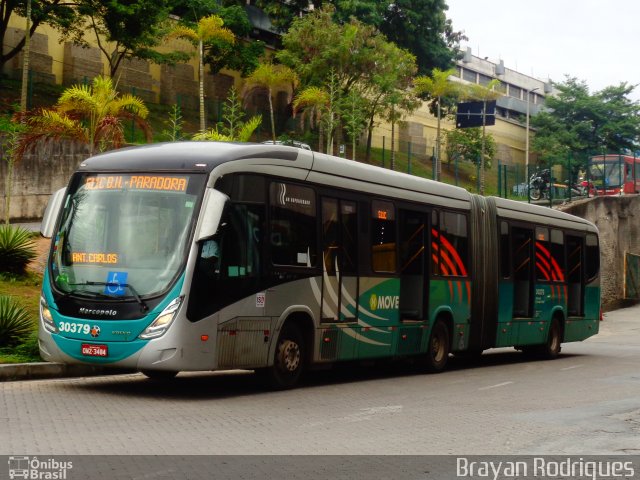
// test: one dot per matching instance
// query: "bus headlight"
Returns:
(162, 321)
(46, 318)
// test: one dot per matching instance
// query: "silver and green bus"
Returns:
(199, 256)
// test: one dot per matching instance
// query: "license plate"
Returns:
(89, 350)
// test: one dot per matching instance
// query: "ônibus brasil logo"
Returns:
(383, 302)
(34, 468)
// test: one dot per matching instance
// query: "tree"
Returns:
(389, 88)
(484, 93)
(421, 27)
(354, 118)
(271, 77)
(356, 54)
(234, 128)
(91, 114)
(59, 14)
(175, 124)
(466, 144)
(579, 123)
(314, 104)
(9, 134)
(125, 30)
(437, 86)
(208, 29)
(242, 55)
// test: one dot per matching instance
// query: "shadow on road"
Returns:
(220, 385)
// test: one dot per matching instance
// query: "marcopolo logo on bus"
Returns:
(34, 468)
(384, 302)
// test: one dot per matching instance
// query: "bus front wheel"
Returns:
(288, 361)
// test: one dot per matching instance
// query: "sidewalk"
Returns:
(40, 370)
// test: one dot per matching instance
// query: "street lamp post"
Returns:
(526, 147)
(526, 142)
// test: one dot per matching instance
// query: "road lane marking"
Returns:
(496, 386)
(572, 367)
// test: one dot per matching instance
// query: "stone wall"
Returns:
(40, 62)
(80, 63)
(618, 219)
(38, 175)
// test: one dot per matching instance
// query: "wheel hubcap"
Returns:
(289, 356)
(436, 348)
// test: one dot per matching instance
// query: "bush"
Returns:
(16, 248)
(15, 323)
(29, 348)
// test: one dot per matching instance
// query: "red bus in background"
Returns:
(614, 174)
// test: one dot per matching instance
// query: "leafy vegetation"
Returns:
(16, 248)
(208, 30)
(15, 322)
(92, 114)
(580, 123)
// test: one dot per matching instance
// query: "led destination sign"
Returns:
(137, 182)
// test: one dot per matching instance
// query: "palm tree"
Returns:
(437, 86)
(207, 29)
(314, 102)
(270, 77)
(92, 114)
(242, 133)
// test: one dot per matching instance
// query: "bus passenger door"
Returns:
(412, 265)
(339, 260)
(575, 276)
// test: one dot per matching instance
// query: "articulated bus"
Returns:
(210, 256)
(614, 174)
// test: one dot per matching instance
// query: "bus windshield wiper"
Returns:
(133, 291)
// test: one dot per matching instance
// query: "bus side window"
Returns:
(454, 244)
(557, 255)
(505, 250)
(543, 256)
(592, 263)
(293, 226)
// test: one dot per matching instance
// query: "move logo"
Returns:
(384, 302)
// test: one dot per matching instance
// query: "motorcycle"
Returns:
(539, 184)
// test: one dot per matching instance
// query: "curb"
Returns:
(41, 370)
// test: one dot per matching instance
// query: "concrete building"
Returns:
(510, 129)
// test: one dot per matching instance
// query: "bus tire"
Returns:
(288, 360)
(435, 361)
(158, 374)
(551, 349)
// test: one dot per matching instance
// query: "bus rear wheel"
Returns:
(288, 361)
(551, 349)
(437, 356)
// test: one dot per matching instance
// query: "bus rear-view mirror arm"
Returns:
(51, 213)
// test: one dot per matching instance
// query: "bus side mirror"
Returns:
(51, 213)
(212, 208)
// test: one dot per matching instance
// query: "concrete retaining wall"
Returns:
(38, 175)
(618, 219)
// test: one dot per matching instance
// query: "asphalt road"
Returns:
(585, 402)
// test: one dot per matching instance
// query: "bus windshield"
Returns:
(610, 171)
(124, 235)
